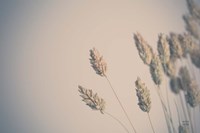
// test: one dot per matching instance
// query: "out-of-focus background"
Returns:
(44, 56)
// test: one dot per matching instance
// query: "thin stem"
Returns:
(168, 105)
(194, 119)
(164, 110)
(151, 123)
(117, 121)
(179, 119)
(187, 108)
(199, 108)
(189, 114)
(120, 104)
(185, 88)
(199, 71)
(182, 105)
(191, 68)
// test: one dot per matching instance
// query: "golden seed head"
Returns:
(143, 95)
(163, 48)
(193, 94)
(144, 49)
(91, 99)
(175, 46)
(156, 70)
(97, 62)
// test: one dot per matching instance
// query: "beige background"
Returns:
(44, 49)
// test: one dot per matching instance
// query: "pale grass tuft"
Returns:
(144, 49)
(170, 69)
(156, 70)
(193, 8)
(175, 46)
(163, 48)
(175, 84)
(193, 94)
(185, 77)
(187, 43)
(192, 26)
(97, 62)
(143, 95)
(195, 57)
(91, 99)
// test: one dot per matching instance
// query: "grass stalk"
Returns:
(116, 119)
(168, 105)
(121, 104)
(164, 109)
(151, 123)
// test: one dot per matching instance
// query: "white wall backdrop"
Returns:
(44, 55)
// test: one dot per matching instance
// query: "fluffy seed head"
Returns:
(185, 77)
(195, 57)
(144, 49)
(175, 46)
(143, 95)
(193, 94)
(175, 84)
(97, 62)
(163, 48)
(156, 70)
(91, 99)
(193, 8)
(192, 26)
(187, 43)
(169, 68)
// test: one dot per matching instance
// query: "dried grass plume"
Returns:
(91, 99)
(144, 49)
(97, 62)
(175, 85)
(193, 94)
(143, 95)
(163, 48)
(156, 70)
(175, 46)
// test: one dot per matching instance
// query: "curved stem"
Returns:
(183, 108)
(189, 114)
(191, 68)
(168, 105)
(120, 104)
(194, 119)
(117, 121)
(179, 118)
(187, 109)
(164, 109)
(190, 119)
(151, 123)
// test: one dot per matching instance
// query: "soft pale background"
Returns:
(44, 51)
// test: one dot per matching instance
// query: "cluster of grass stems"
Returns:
(183, 81)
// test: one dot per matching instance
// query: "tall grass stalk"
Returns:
(151, 123)
(164, 108)
(120, 104)
(116, 119)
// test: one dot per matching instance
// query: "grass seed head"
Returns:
(143, 95)
(156, 70)
(163, 48)
(193, 94)
(175, 46)
(144, 49)
(97, 62)
(175, 84)
(92, 99)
